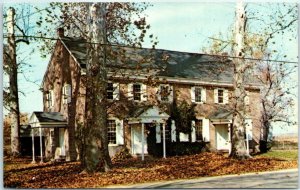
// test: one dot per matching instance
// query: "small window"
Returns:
(198, 94)
(198, 128)
(110, 91)
(165, 93)
(111, 132)
(137, 92)
(50, 100)
(220, 96)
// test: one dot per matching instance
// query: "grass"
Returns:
(281, 154)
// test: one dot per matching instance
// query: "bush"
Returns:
(176, 148)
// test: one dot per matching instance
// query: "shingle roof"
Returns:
(166, 63)
(50, 117)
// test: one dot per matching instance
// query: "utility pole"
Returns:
(13, 84)
(238, 131)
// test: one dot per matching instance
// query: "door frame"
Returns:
(224, 146)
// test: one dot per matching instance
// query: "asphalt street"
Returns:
(284, 179)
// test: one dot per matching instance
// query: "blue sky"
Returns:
(179, 26)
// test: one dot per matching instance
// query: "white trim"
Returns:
(182, 81)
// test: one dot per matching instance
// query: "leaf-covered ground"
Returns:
(21, 174)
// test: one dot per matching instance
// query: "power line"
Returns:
(118, 45)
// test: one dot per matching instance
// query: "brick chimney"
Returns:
(60, 32)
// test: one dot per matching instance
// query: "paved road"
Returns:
(278, 179)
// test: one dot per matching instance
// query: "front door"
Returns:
(222, 139)
(136, 132)
(62, 141)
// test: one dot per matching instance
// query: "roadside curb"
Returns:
(149, 184)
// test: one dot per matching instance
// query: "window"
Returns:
(111, 132)
(198, 128)
(110, 91)
(165, 93)
(50, 100)
(220, 96)
(67, 93)
(198, 94)
(137, 92)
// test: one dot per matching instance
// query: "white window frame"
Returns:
(67, 93)
(143, 92)
(115, 91)
(171, 91)
(193, 94)
(119, 132)
(50, 99)
(225, 95)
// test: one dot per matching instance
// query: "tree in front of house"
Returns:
(260, 32)
(105, 27)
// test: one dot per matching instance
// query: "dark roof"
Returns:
(50, 117)
(164, 63)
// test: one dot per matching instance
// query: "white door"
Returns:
(62, 141)
(222, 137)
(137, 140)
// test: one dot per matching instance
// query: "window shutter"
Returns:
(51, 98)
(116, 92)
(247, 100)
(173, 131)
(69, 93)
(130, 91)
(203, 95)
(216, 95)
(193, 134)
(225, 96)
(158, 135)
(193, 93)
(248, 123)
(143, 92)
(119, 132)
(171, 93)
(205, 130)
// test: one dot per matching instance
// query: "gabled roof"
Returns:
(163, 63)
(47, 119)
(148, 114)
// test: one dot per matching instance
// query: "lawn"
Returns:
(21, 174)
(281, 154)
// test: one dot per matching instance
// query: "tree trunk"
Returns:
(96, 143)
(13, 85)
(238, 149)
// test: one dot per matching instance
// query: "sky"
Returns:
(179, 26)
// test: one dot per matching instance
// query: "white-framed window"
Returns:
(221, 95)
(115, 131)
(67, 93)
(198, 94)
(199, 129)
(165, 93)
(112, 91)
(137, 92)
(111, 131)
(50, 98)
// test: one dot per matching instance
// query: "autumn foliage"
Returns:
(133, 170)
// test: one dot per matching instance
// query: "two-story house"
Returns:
(143, 85)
